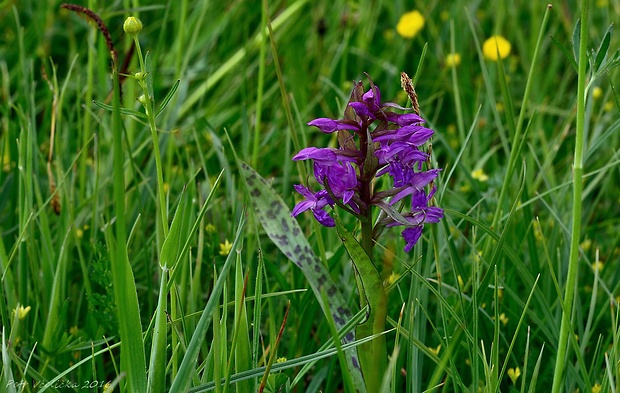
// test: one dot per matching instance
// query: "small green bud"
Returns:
(142, 99)
(132, 25)
(140, 76)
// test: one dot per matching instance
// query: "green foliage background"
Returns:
(53, 64)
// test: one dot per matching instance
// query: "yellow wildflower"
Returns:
(597, 93)
(494, 45)
(410, 24)
(210, 228)
(392, 278)
(388, 35)
(500, 107)
(21, 311)
(444, 15)
(598, 266)
(225, 248)
(537, 230)
(586, 244)
(281, 359)
(602, 3)
(453, 60)
(596, 388)
(6, 161)
(435, 351)
(609, 106)
(503, 319)
(514, 374)
(479, 175)
(465, 188)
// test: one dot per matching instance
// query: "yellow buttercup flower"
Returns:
(596, 388)
(586, 244)
(503, 319)
(392, 278)
(597, 93)
(609, 106)
(494, 45)
(514, 374)
(410, 24)
(479, 175)
(225, 248)
(21, 311)
(453, 60)
(210, 228)
(435, 351)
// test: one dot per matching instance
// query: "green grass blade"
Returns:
(132, 347)
(168, 97)
(187, 368)
(124, 111)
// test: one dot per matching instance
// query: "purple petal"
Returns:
(405, 119)
(305, 191)
(324, 124)
(301, 207)
(315, 153)
(361, 109)
(411, 236)
(327, 125)
(324, 218)
(433, 214)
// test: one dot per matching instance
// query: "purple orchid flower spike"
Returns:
(374, 141)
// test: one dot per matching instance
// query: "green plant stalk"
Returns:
(261, 83)
(150, 115)
(573, 260)
(128, 310)
(373, 354)
(456, 90)
(515, 150)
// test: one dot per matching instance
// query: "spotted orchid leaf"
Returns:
(285, 232)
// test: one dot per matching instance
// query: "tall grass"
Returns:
(132, 258)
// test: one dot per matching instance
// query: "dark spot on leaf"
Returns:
(331, 291)
(297, 249)
(296, 231)
(317, 268)
(255, 193)
(270, 214)
(354, 359)
(322, 280)
(284, 225)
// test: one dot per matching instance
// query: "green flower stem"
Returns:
(516, 146)
(150, 114)
(569, 291)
